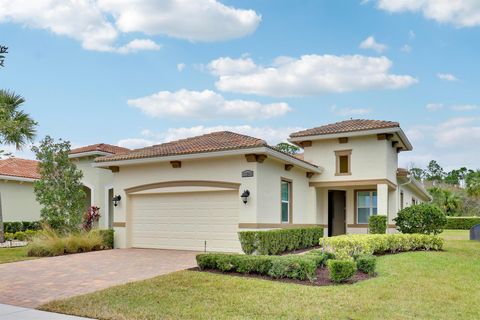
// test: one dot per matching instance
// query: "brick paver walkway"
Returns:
(34, 282)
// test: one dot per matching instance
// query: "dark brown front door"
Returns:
(336, 212)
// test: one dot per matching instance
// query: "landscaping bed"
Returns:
(322, 277)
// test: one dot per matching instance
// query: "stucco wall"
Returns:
(370, 158)
(263, 204)
(18, 201)
(99, 180)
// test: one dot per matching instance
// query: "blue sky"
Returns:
(109, 71)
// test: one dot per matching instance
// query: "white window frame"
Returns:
(371, 207)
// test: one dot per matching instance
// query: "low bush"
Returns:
(274, 242)
(17, 226)
(50, 243)
(30, 234)
(8, 236)
(20, 236)
(366, 263)
(462, 223)
(421, 218)
(107, 236)
(377, 225)
(300, 267)
(341, 270)
(355, 245)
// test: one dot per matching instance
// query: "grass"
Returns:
(424, 285)
(456, 234)
(13, 254)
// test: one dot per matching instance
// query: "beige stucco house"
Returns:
(18, 175)
(197, 193)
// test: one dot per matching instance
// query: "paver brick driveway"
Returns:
(34, 282)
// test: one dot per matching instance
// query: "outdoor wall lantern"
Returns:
(116, 200)
(245, 196)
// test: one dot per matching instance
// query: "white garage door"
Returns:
(184, 221)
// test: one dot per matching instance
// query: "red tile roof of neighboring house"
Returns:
(346, 126)
(102, 147)
(22, 168)
(402, 172)
(211, 142)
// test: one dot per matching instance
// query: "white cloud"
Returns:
(434, 106)
(446, 77)
(181, 67)
(307, 75)
(270, 134)
(461, 13)
(465, 107)
(345, 112)
(406, 48)
(205, 105)
(98, 24)
(461, 131)
(370, 43)
(138, 45)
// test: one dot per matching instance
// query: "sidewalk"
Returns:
(8, 312)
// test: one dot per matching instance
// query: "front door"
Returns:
(336, 212)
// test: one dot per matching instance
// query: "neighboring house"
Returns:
(17, 177)
(189, 194)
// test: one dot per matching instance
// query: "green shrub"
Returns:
(8, 236)
(30, 234)
(274, 242)
(421, 218)
(20, 236)
(377, 224)
(299, 267)
(16, 226)
(294, 267)
(355, 245)
(341, 270)
(47, 244)
(366, 263)
(107, 235)
(462, 223)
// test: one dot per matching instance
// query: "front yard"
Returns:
(13, 254)
(426, 285)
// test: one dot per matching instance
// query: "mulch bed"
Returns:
(322, 277)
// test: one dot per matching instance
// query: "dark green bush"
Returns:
(421, 218)
(107, 235)
(462, 223)
(299, 267)
(16, 226)
(20, 236)
(377, 225)
(366, 263)
(341, 270)
(294, 267)
(274, 242)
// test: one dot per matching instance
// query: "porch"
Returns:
(345, 206)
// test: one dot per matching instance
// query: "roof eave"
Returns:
(89, 153)
(16, 178)
(260, 150)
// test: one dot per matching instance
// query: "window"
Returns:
(366, 206)
(343, 162)
(401, 200)
(286, 196)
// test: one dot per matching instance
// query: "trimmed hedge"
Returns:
(21, 226)
(274, 242)
(462, 223)
(20, 235)
(422, 218)
(366, 263)
(341, 270)
(355, 245)
(377, 225)
(300, 267)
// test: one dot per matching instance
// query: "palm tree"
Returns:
(16, 128)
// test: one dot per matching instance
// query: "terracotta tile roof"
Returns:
(22, 168)
(402, 173)
(215, 141)
(102, 147)
(346, 126)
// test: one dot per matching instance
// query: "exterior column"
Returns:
(382, 199)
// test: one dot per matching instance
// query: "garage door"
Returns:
(184, 221)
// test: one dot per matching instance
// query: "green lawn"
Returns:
(456, 234)
(13, 254)
(416, 285)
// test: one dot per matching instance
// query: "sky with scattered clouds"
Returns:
(141, 72)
